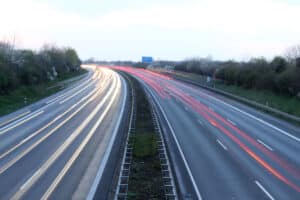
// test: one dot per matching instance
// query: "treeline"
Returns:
(26, 67)
(280, 75)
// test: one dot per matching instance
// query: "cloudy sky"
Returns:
(164, 29)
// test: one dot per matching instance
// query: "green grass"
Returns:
(145, 145)
(15, 99)
(283, 103)
(286, 104)
(145, 180)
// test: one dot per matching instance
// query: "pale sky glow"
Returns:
(166, 29)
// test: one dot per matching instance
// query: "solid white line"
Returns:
(126, 145)
(64, 146)
(178, 146)
(267, 146)
(21, 122)
(222, 145)
(234, 124)
(67, 92)
(256, 118)
(79, 149)
(44, 127)
(200, 121)
(107, 152)
(264, 190)
(10, 125)
(12, 162)
(10, 120)
(70, 97)
(28, 181)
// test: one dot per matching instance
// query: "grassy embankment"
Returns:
(145, 180)
(283, 103)
(14, 100)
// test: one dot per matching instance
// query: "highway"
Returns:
(229, 150)
(58, 147)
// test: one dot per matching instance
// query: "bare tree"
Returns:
(293, 53)
(7, 47)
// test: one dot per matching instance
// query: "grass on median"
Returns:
(145, 180)
(145, 145)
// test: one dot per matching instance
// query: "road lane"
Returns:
(248, 169)
(7, 119)
(63, 147)
(12, 141)
(26, 165)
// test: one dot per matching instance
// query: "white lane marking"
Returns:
(177, 144)
(200, 121)
(221, 144)
(231, 122)
(22, 154)
(107, 153)
(28, 181)
(48, 103)
(64, 146)
(43, 128)
(18, 123)
(264, 190)
(70, 97)
(256, 118)
(264, 144)
(17, 117)
(67, 92)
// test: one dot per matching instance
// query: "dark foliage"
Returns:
(27, 67)
(279, 75)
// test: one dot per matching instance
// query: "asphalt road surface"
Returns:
(56, 147)
(230, 150)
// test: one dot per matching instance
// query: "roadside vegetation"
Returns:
(275, 83)
(27, 75)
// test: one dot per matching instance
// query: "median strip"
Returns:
(145, 173)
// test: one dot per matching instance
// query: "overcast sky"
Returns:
(164, 29)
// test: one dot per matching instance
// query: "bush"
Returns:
(280, 75)
(27, 67)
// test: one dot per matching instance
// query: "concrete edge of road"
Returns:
(254, 104)
(185, 183)
(109, 178)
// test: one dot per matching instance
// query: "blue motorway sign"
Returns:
(147, 59)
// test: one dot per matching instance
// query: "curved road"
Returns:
(57, 147)
(230, 150)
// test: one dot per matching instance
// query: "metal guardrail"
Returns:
(122, 186)
(167, 173)
(244, 100)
